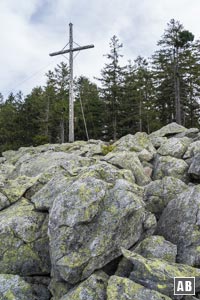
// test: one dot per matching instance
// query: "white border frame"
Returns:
(184, 294)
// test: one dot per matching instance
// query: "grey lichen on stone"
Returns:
(157, 247)
(23, 240)
(190, 133)
(59, 288)
(16, 188)
(6, 170)
(99, 201)
(130, 161)
(168, 130)
(158, 193)
(13, 287)
(170, 166)
(193, 149)
(151, 247)
(145, 155)
(157, 141)
(39, 285)
(180, 223)
(93, 288)
(4, 202)
(158, 274)
(123, 288)
(44, 161)
(106, 172)
(194, 169)
(43, 199)
(136, 143)
(21, 154)
(175, 147)
(84, 221)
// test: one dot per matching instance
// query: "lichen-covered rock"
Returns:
(170, 166)
(157, 247)
(94, 198)
(194, 170)
(22, 153)
(136, 143)
(151, 247)
(168, 130)
(91, 148)
(39, 285)
(42, 162)
(190, 133)
(4, 202)
(13, 190)
(175, 147)
(145, 155)
(93, 288)
(5, 170)
(157, 141)
(26, 153)
(158, 193)
(158, 274)
(123, 288)
(91, 220)
(193, 149)
(43, 199)
(23, 240)
(59, 288)
(13, 287)
(130, 161)
(180, 223)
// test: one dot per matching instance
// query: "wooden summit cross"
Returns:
(71, 98)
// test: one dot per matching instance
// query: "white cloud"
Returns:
(32, 29)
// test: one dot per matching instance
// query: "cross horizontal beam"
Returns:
(73, 50)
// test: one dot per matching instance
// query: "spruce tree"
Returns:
(57, 97)
(139, 111)
(87, 95)
(168, 62)
(112, 80)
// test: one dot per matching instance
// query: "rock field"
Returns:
(93, 221)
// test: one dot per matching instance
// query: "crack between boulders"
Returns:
(11, 203)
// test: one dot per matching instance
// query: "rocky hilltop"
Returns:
(90, 221)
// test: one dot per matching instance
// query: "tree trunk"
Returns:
(47, 119)
(114, 127)
(140, 114)
(62, 130)
(177, 88)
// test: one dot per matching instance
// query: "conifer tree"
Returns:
(168, 62)
(57, 97)
(10, 130)
(139, 110)
(112, 80)
(87, 95)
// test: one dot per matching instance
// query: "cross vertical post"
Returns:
(71, 95)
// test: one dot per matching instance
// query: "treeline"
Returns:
(141, 96)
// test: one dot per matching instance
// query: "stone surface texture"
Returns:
(91, 220)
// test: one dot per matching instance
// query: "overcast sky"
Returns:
(31, 29)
